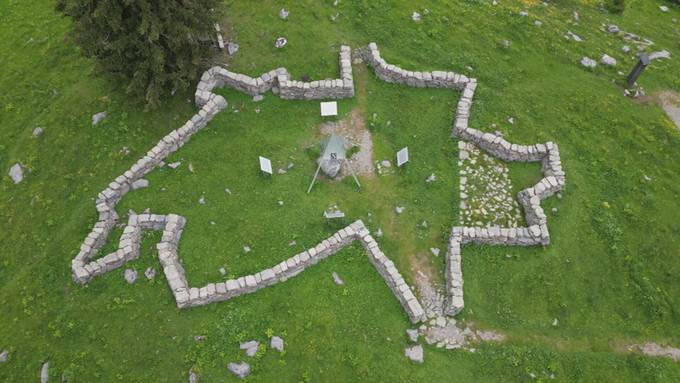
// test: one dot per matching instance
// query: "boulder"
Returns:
(16, 173)
(277, 343)
(337, 279)
(415, 353)
(98, 117)
(241, 370)
(588, 62)
(45, 372)
(130, 275)
(250, 347)
(608, 60)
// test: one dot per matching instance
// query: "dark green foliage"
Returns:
(151, 44)
(616, 6)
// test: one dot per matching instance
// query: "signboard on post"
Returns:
(266, 165)
(402, 156)
(329, 108)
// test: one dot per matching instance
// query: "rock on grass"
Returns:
(241, 370)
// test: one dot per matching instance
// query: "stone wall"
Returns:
(536, 233)
(279, 82)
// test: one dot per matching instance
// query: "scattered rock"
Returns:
(283, 14)
(653, 349)
(538, 23)
(523, 13)
(511, 120)
(608, 60)
(16, 173)
(241, 370)
(232, 48)
(280, 42)
(435, 251)
(125, 151)
(431, 178)
(193, 378)
(282, 171)
(554, 210)
(399, 209)
(130, 275)
(45, 372)
(555, 322)
(574, 36)
(379, 233)
(227, 191)
(258, 98)
(191, 167)
(337, 279)
(140, 184)
(4, 356)
(415, 353)
(412, 334)
(174, 165)
(199, 338)
(201, 200)
(247, 249)
(97, 118)
(663, 8)
(222, 271)
(588, 62)
(37, 132)
(292, 243)
(150, 273)
(488, 336)
(279, 202)
(250, 347)
(386, 163)
(664, 54)
(276, 343)
(625, 49)
(613, 29)
(415, 16)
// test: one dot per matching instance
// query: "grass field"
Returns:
(609, 275)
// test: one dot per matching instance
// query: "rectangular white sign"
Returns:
(402, 156)
(266, 165)
(329, 108)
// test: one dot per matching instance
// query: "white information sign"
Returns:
(266, 165)
(402, 156)
(329, 108)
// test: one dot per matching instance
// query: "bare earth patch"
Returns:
(353, 130)
(653, 349)
(670, 102)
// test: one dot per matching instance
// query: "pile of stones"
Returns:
(485, 190)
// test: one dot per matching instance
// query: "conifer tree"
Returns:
(152, 45)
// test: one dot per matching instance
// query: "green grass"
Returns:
(609, 275)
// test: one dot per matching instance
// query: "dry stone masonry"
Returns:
(536, 231)
(84, 267)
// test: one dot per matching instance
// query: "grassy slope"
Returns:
(607, 276)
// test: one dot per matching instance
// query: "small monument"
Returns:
(329, 108)
(333, 155)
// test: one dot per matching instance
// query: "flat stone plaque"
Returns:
(333, 214)
(402, 156)
(329, 108)
(266, 165)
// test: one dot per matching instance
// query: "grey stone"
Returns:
(574, 36)
(431, 178)
(222, 271)
(241, 370)
(193, 378)
(202, 199)
(97, 118)
(613, 29)
(150, 273)
(4, 356)
(435, 251)
(663, 8)
(16, 173)
(283, 14)
(415, 16)
(258, 98)
(399, 209)
(608, 60)
(130, 275)
(412, 334)
(588, 62)
(45, 372)
(415, 353)
(232, 47)
(277, 343)
(38, 132)
(280, 42)
(250, 347)
(191, 167)
(625, 49)
(337, 279)
(140, 184)
(174, 165)
(247, 249)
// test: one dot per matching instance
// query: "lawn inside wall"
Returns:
(608, 274)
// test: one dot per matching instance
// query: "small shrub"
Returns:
(616, 6)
